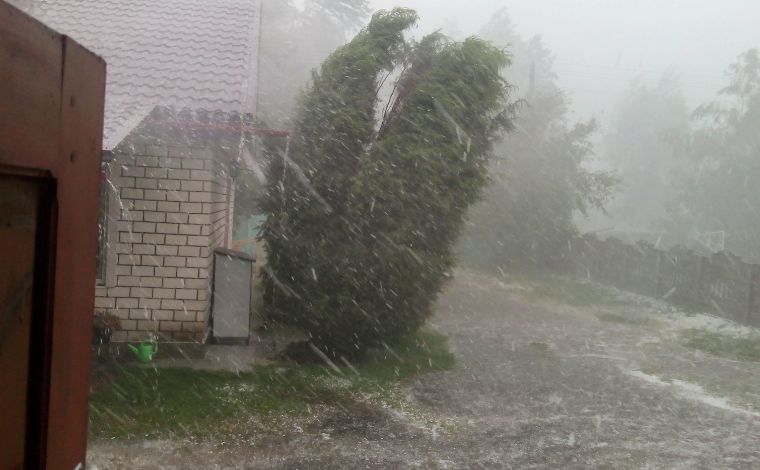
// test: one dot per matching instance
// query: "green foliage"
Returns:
(362, 221)
(177, 402)
(540, 182)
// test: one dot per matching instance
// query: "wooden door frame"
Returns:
(51, 104)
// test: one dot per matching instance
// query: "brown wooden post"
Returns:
(51, 103)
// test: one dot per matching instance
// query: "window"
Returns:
(102, 255)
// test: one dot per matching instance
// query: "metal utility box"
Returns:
(51, 124)
(231, 297)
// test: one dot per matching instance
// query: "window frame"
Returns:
(106, 218)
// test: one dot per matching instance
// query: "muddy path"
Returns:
(537, 385)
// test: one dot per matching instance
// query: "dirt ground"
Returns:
(537, 385)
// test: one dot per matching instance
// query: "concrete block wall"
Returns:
(168, 210)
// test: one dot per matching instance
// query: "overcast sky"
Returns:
(600, 46)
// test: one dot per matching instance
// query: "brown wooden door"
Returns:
(51, 123)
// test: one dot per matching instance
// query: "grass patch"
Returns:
(571, 291)
(745, 348)
(540, 350)
(621, 319)
(180, 402)
(656, 371)
(547, 285)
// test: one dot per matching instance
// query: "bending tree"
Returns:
(363, 214)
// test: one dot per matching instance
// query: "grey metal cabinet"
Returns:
(231, 297)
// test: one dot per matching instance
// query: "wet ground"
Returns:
(538, 384)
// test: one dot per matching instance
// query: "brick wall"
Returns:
(167, 212)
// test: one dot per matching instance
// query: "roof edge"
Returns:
(252, 79)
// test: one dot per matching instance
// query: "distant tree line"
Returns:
(540, 180)
(686, 174)
(664, 173)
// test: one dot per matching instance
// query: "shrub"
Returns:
(362, 217)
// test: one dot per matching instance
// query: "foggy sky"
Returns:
(600, 46)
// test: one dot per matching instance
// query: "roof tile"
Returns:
(198, 54)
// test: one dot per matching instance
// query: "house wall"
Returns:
(168, 210)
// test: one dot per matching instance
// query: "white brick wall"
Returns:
(172, 213)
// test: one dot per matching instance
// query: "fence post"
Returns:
(700, 277)
(753, 276)
(657, 275)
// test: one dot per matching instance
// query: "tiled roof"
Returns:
(198, 54)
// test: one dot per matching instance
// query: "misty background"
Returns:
(600, 46)
(634, 118)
